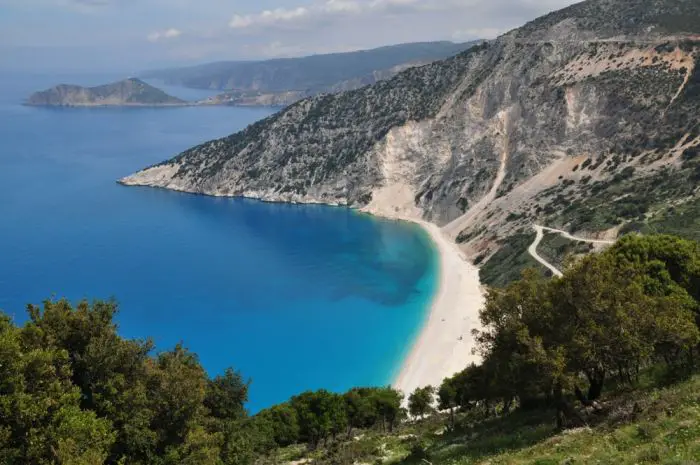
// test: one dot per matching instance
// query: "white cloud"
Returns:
(342, 6)
(241, 22)
(269, 18)
(472, 12)
(171, 33)
(408, 4)
(317, 12)
(207, 30)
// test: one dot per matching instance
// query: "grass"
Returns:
(682, 220)
(647, 424)
(663, 201)
(556, 249)
(668, 432)
(655, 425)
(508, 263)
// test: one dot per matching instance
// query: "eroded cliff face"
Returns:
(492, 140)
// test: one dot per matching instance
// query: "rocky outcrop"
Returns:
(129, 92)
(563, 121)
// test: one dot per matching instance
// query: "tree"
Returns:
(244, 440)
(109, 371)
(420, 402)
(615, 316)
(361, 408)
(200, 447)
(72, 391)
(40, 416)
(387, 402)
(177, 385)
(679, 257)
(281, 423)
(226, 396)
(610, 313)
(80, 437)
(522, 358)
(447, 398)
(320, 414)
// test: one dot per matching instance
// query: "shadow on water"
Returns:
(370, 258)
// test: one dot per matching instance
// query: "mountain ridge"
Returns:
(585, 111)
(313, 74)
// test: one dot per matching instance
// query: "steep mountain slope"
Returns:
(129, 92)
(287, 97)
(585, 119)
(312, 74)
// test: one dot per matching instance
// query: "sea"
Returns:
(295, 297)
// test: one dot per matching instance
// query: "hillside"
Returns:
(599, 365)
(313, 74)
(253, 99)
(581, 120)
(661, 426)
(284, 98)
(129, 92)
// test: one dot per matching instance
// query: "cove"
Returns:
(296, 297)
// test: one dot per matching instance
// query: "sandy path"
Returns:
(532, 250)
(444, 346)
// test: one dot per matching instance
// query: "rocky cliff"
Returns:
(129, 92)
(586, 119)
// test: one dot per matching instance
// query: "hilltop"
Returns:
(314, 74)
(578, 120)
(129, 92)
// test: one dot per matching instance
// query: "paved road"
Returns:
(532, 250)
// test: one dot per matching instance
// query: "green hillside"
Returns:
(599, 365)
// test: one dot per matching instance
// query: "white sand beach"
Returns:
(444, 346)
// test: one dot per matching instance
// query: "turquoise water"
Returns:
(296, 297)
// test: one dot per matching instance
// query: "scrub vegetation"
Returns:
(598, 364)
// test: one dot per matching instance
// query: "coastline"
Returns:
(438, 352)
(444, 343)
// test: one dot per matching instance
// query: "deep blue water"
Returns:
(296, 297)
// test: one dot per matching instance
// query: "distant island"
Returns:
(271, 83)
(129, 92)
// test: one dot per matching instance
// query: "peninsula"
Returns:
(283, 81)
(577, 121)
(127, 93)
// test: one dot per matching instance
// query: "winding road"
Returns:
(532, 250)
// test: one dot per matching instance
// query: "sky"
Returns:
(135, 35)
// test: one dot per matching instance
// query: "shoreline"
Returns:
(438, 352)
(443, 346)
